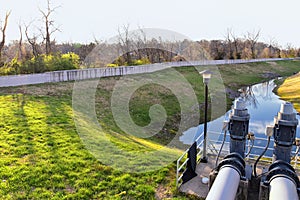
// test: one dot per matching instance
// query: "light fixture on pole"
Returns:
(206, 74)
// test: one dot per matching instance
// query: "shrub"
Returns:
(34, 65)
(42, 63)
(143, 61)
(112, 65)
(67, 61)
(11, 68)
(61, 61)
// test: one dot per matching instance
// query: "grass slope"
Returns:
(235, 76)
(42, 156)
(290, 90)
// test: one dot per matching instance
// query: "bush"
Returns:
(121, 62)
(67, 61)
(42, 63)
(34, 65)
(11, 68)
(143, 61)
(112, 65)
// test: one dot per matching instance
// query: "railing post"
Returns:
(296, 157)
(177, 173)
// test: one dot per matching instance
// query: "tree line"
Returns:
(39, 51)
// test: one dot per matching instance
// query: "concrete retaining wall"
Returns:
(82, 74)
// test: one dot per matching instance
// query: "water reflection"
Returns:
(249, 96)
(262, 106)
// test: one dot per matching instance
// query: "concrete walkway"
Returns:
(195, 186)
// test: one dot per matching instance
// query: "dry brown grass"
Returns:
(290, 90)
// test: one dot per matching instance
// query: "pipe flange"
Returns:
(283, 164)
(238, 156)
(282, 169)
(235, 161)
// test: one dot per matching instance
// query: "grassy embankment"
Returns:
(290, 90)
(42, 156)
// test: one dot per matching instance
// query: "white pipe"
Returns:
(283, 188)
(225, 185)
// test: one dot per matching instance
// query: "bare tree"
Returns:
(3, 31)
(195, 51)
(272, 46)
(229, 42)
(236, 43)
(125, 42)
(252, 38)
(20, 53)
(140, 42)
(291, 51)
(217, 49)
(32, 40)
(50, 29)
(21, 50)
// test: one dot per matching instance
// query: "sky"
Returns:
(82, 21)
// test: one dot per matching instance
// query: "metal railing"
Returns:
(257, 150)
(215, 145)
(183, 159)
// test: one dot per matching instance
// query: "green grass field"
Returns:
(42, 156)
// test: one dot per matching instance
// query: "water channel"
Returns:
(262, 105)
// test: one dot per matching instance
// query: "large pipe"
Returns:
(283, 181)
(226, 184)
(283, 188)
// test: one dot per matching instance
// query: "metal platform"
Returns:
(195, 185)
(197, 188)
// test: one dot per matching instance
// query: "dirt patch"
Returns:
(108, 84)
(50, 89)
(232, 93)
(162, 193)
(270, 75)
(272, 63)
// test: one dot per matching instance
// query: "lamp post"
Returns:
(206, 74)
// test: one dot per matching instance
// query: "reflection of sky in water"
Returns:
(262, 106)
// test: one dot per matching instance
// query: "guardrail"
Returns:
(183, 159)
(92, 73)
(215, 145)
(256, 149)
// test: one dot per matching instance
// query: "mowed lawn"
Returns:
(42, 156)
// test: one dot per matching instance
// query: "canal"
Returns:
(262, 105)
